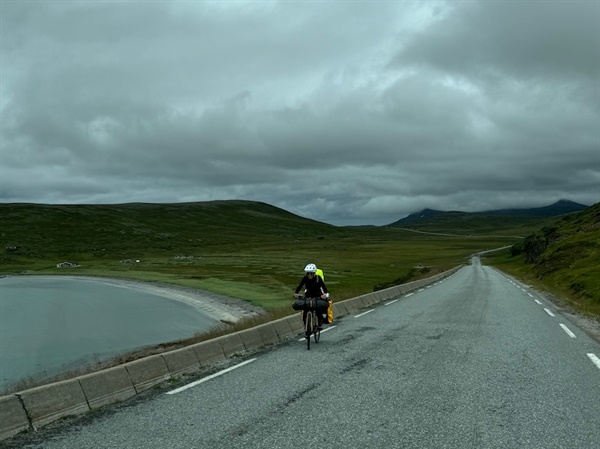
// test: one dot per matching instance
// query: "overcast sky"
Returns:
(346, 112)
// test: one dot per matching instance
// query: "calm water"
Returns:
(52, 325)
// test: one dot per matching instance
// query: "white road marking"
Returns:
(391, 302)
(212, 376)
(568, 331)
(364, 313)
(595, 360)
(538, 301)
(410, 294)
(549, 312)
(421, 289)
(530, 294)
(322, 330)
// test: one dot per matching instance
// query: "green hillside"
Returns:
(562, 257)
(248, 250)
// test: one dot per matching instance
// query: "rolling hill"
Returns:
(71, 231)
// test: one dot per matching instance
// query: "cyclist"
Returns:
(315, 287)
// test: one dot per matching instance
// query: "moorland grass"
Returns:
(246, 250)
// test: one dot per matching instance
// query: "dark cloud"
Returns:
(345, 112)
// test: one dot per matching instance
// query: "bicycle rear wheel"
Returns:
(308, 329)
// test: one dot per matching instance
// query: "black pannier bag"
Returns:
(303, 304)
(299, 304)
(322, 305)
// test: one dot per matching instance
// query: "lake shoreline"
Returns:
(219, 307)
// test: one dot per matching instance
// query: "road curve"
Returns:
(474, 361)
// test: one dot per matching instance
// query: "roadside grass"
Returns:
(562, 258)
(557, 285)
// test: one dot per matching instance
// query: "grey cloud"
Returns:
(521, 39)
(343, 112)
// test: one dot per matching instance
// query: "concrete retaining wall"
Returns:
(31, 409)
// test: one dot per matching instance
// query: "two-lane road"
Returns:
(475, 361)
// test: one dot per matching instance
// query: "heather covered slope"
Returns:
(563, 255)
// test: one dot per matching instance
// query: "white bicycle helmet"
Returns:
(310, 268)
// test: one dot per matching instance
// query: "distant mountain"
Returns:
(426, 214)
(561, 207)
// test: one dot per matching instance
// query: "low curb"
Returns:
(34, 408)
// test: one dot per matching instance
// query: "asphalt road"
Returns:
(475, 361)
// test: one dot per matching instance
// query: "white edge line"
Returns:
(530, 294)
(322, 330)
(568, 331)
(548, 312)
(595, 360)
(391, 302)
(212, 376)
(364, 313)
(538, 301)
(410, 294)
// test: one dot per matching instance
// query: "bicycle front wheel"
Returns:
(308, 329)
